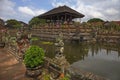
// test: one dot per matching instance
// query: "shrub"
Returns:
(34, 56)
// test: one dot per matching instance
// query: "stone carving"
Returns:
(59, 45)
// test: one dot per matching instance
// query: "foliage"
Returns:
(65, 78)
(12, 23)
(34, 56)
(95, 20)
(84, 24)
(1, 22)
(112, 26)
(36, 21)
(46, 77)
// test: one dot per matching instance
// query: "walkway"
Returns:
(10, 68)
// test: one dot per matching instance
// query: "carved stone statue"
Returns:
(59, 45)
(18, 34)
(60, 59)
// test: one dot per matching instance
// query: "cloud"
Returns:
(40, 11)
(112, 11)
(25, 0)
(26, 10)
(10, 10)
(32, 12)
(56, 3)
(104, 9)
(7, 9)
(28, 13)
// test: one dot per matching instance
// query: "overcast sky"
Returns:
(24, 10)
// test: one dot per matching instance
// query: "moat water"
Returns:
(98, 58)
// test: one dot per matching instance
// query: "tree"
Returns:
(12, 23)
(36, 21)
(1, 22)
(95, 20)
(114, 26)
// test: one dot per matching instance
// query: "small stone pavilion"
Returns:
(60, 15)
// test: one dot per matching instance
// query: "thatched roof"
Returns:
(61, 10)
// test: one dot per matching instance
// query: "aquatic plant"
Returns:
(48, 43)
(34, 39)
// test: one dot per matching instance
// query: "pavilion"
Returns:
(61, 15)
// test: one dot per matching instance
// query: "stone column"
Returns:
(59, 45)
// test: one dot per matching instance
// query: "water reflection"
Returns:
(76, 52)
(102, 59)
(99, 58)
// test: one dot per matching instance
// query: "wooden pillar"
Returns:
(51, 21)
(52, 25)
(70, 20)
(46, 22)
(65, 22)
(58, 23)
(65, 16)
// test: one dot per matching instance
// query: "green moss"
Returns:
(48, 43)
(34, 39)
